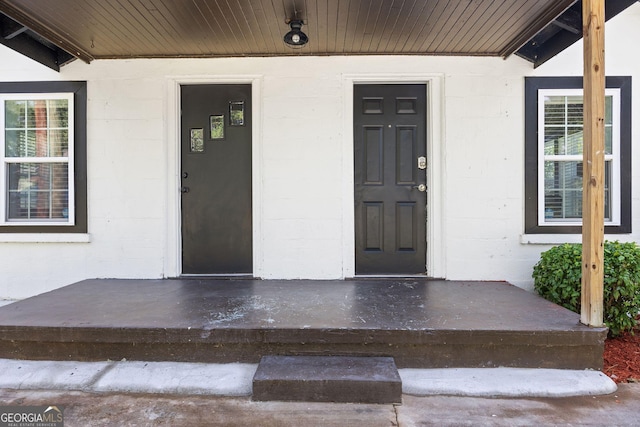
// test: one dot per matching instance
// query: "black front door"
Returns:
(390, 178)
(216, 179)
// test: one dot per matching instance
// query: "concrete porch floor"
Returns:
(421, 323)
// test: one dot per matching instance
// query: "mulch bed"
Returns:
(622, 357)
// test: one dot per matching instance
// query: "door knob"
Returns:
(184, 190)
(420, 187)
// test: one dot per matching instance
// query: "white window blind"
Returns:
(560, 147)
(37, 179)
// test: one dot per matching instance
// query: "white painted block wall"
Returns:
(302, 211)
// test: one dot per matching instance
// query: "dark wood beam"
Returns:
(50, 34)
(10, 28)
(542, 21)
(21, 39)
(571, 21)
(592, 308)
(33, 49)
(64, 57)
(540, 52)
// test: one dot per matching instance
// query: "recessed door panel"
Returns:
(374, 144)
(390, 179)
(374, 226)
(406, 146)
(405, 226)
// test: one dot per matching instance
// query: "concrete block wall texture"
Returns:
(302, 163)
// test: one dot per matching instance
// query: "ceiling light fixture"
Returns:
(295, 37)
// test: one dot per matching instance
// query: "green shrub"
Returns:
(558, 274)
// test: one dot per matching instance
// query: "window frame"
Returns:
(535, 87)
(614, 157)
(68, 160)
(77, 158)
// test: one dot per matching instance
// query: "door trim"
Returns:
(435, 262)
(173, 239)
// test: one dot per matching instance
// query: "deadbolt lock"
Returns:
(422, 162)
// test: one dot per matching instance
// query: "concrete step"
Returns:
(327, 379)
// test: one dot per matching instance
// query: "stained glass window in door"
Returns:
(236, 113)
(197, 140)
(217, 126)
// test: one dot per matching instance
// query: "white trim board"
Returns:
(173, 240)
(435, 261)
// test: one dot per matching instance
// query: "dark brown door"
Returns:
(216, 179)
(390, 162)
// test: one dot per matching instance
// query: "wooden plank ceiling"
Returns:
(95, 29)
(55, 32)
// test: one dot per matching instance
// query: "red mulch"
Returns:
(622, 357)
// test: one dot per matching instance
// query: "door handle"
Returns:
(421, 187)
(184, 190)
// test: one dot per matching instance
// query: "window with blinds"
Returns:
(560, 145)
(37, 159)
(553, 146)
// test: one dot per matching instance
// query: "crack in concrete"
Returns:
(395, 412)
(90, 384)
